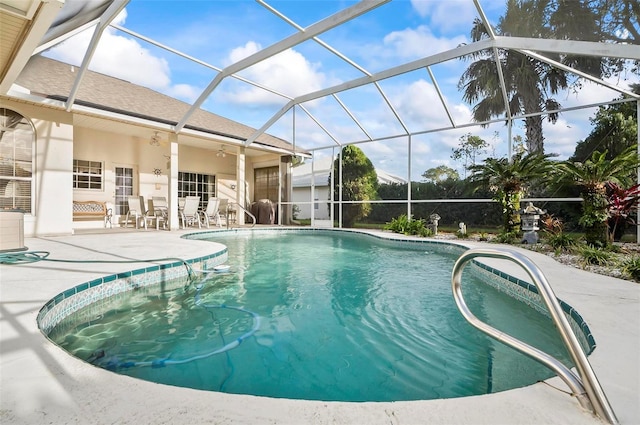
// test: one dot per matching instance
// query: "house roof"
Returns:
(322, 169)
(53, 79)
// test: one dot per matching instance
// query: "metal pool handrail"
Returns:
(585, 385)
(253, 217)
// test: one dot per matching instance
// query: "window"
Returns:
(196, 184)
(266, 183)
(87, 174)
(124, 189)
(16, 161)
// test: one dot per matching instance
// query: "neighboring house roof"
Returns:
(322, 169)
(386, 178)
(54, 80)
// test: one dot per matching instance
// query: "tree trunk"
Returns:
(532, 103)
(535, 138)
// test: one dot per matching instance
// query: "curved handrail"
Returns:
(253, 217)
(594, 400)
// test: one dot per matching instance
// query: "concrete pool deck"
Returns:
(41, 383)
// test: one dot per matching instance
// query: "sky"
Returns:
(219, 33)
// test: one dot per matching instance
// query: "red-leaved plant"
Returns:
(623, 203)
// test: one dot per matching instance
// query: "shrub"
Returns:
(398, 224)
(631, 267)
(560, 242)
(555, 236)
(425, 232)
(402, 224)
(508, 237)
(595, 256)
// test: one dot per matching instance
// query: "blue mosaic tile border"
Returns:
(528, 293)
(108, 287)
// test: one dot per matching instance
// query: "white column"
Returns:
(241, 161)
(331, 186)
(409, 178)
(174, 221)
(340, 192)
(312, 209)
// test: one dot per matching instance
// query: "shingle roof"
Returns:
(54, 79)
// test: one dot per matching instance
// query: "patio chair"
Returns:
(228, 211)
(212, 213)
(159, 208)
(190, 214)
(137, 212)
(109, 215)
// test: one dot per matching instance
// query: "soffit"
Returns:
(22, 25)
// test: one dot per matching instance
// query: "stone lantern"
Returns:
(433, 223)
(529, 222)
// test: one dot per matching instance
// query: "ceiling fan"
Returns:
(155, 139)
(221, 152)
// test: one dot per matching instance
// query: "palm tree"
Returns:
(509, 181)
(592, 177)
(529, 83)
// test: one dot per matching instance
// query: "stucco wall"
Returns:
(303, 194)
(51, 194)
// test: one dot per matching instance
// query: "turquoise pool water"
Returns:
(342, 317)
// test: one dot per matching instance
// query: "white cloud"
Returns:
(289, 73)
(450, 15)
(420, 103)
(420, 107)
(184, 91)
(588, 93)
(124, 58)
(242, 52)
(419, 42)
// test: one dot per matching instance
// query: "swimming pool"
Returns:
(343, 317)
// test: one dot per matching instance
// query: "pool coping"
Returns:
(40, 379)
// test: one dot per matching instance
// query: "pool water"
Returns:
(342, 317)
